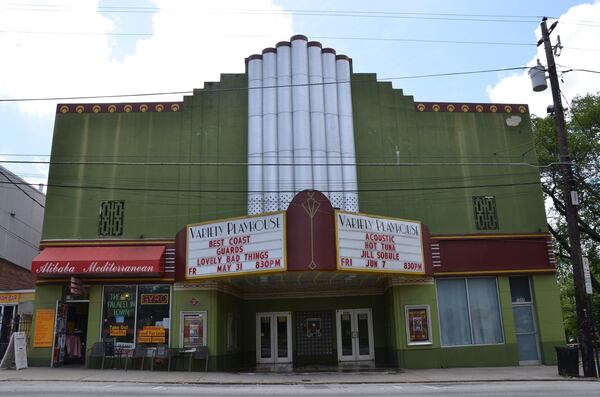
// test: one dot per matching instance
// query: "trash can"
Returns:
(567, 360)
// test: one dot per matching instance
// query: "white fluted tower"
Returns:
(300, 128)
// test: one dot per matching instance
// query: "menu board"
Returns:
(248, 245)
(378, 245)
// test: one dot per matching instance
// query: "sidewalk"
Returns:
(493, 374)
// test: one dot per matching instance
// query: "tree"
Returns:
(583, 126)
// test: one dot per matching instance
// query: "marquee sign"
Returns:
(376, 244)
(248, 245)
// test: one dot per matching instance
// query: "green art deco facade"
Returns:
(131, 176)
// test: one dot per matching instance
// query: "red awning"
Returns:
(89, 261)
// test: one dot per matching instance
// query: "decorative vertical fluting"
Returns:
(317, 118)
(255, 183)
(284, 124)
(300, 129)
(350, 185)
(301, 115)
(332, 130)
(269, 136)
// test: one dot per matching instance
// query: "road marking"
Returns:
(397, 387)
(432, 387)
(157, 388)
(107, 386)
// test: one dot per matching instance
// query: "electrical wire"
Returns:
(16, 184)
(300, 12)
(234, 89)
(248, 164)
(179, 190)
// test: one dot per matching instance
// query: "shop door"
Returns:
(354, 335)
(7, 317)
(525, 324)
(274, 338)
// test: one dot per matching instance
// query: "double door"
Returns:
(274, 338)
(354, 335)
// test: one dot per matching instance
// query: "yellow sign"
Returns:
(44, 328)
(9, 299)
(118, 330)
(151, 334)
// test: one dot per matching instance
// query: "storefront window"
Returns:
(153, 314)
(469, 311)
(136, 314)
(119, 314)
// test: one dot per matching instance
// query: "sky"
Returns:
(70, 48)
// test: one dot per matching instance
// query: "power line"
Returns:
(301, 12)
(355, 38)
(179, 190)
(262, 87)
(248, 164)
(19, 187)
(234, 89)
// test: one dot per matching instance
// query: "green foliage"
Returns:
(583, 127)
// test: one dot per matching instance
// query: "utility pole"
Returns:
(571, 203)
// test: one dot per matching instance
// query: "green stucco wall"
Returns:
(551, 329)
(389, 130)
(159, 199)
(45, 298)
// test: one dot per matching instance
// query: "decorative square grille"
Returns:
(314, 333)
(485, 212)
(110, 222)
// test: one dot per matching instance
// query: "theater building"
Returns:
(297, 214)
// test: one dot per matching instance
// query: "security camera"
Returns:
(550, 109)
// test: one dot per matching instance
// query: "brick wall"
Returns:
(15, 277)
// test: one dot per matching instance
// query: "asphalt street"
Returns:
(92, 389)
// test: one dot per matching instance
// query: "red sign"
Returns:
(154, 299)
(69, 261)
(107, 267)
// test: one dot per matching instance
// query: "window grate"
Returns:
(486, 217)
(110, 222)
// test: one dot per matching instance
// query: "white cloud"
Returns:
(576, 34)
(191, 43)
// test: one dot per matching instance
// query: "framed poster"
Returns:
(192, 329)
(418, 324)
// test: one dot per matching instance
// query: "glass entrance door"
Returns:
(274, 338)
(7, 320)
(525, 326)
(354, 335)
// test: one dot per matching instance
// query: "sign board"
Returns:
(20, 350)
(94, 267)
(9, 298)
(248, 245)
(16, 352)
(586, 275)
(367, 243)
(154, 299)
(44, 328)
